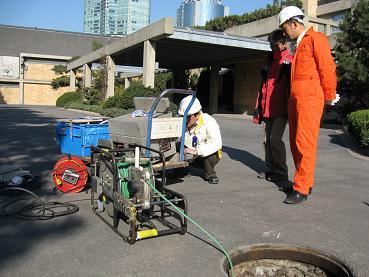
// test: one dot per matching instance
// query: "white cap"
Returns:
(290, 12)
(195, 108)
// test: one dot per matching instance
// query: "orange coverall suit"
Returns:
(313, 80)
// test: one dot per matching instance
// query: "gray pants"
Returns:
(207, 164)
(275, 150)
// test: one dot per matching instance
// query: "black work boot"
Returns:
(213, 180)
(295, 197)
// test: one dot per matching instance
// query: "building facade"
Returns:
(198, 12)
(27, 56)
(115, 17)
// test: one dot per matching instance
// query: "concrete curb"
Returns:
(82, 111)
(241, 116)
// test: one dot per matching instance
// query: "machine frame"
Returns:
(130, 210)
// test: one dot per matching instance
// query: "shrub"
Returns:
(71, 96)
(110, 112)
(92, 96)
(161, 80)
(124, 100)
(358, 126)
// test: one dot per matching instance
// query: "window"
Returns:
(335, 30)
(338, 17)
(323, 2)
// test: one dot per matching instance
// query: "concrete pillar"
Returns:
(110, 67)
(214, 89)
(310, 7)
(87, 75)
(72, 80)
(328, 30)
(127, 83)
(21, 78)
(148, 78)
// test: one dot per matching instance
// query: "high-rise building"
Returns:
(115, 17)
(198, 12)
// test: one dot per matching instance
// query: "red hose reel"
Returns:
(70, 174)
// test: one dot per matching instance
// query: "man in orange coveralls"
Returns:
(313, 84)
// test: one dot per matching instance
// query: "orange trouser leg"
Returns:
(304, 123)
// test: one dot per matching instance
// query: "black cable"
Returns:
(41, 210)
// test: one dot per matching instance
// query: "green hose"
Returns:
(197, 225)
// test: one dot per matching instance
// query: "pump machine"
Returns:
(127, 168)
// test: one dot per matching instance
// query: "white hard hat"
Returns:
(195, 108)
(289, 12)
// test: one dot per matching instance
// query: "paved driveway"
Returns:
(241, 210)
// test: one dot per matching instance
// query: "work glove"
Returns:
(334, 101)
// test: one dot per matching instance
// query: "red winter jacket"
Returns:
(273, 97)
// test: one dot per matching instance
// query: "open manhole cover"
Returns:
(279, 260)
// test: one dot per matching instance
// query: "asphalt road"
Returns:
(241, 210)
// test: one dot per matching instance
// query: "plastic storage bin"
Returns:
(76, 138)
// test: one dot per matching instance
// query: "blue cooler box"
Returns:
(76, 138)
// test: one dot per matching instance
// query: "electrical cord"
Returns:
(39, 209)
(197, 225)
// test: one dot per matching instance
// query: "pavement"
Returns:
(241, 210)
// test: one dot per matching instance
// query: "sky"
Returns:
(67, 15)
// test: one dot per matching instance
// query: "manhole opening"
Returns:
(283, 261)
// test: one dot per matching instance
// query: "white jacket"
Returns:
(209, 139)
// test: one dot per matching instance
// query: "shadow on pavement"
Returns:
(345, 140)
(256, 164)
(27, 140)
(248, 159)
(18, 238)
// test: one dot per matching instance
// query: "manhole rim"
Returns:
(278, 248)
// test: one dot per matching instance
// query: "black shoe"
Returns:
(295, 197)
(213, 180)
(274, 177)
(264, 175)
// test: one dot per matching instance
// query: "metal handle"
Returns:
(153, 108)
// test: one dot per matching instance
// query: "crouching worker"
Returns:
(202, 139)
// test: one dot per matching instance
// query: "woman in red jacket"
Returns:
(271, 106)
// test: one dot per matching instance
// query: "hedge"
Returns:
(124, 100)
(358, 126)
(110, 112)
(71, 96)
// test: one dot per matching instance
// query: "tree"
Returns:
(352, 54)
(219, 24)
(63, 80)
